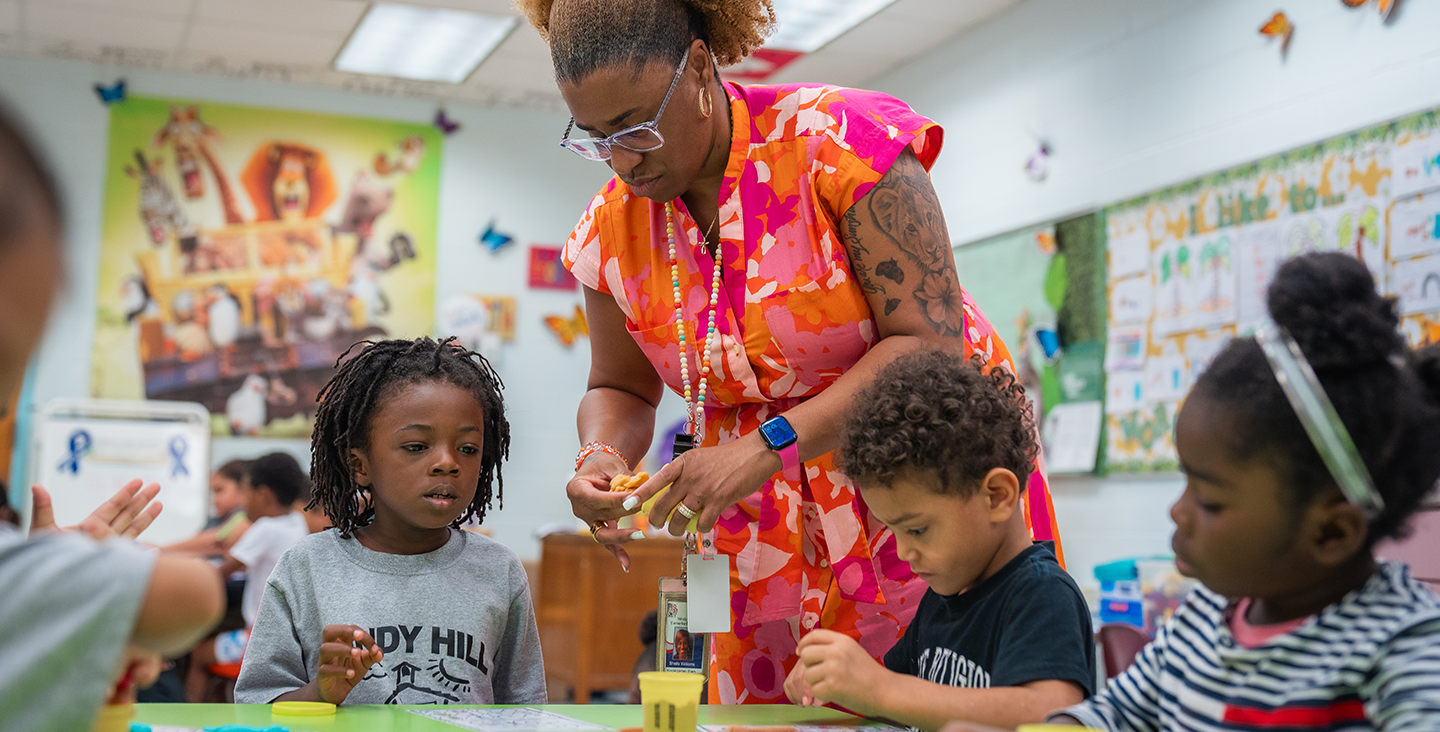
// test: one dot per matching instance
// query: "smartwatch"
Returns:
(780, 437)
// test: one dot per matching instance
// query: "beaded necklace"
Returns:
(695, 406)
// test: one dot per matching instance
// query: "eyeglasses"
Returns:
(643, 137)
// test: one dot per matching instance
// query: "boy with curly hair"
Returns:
(941, 451)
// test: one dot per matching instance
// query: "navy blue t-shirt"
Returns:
(1027, 622)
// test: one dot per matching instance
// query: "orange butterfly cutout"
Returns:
(1382, 6)
(1280, 27)
(568, 329)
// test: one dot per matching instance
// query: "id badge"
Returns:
(679, 648)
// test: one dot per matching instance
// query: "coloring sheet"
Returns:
(509, 719)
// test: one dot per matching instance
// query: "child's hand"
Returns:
(127, 513)
(839, 671)
(342, 665)
(137, 669)
(796, 690)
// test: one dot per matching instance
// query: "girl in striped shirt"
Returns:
(1302, 447)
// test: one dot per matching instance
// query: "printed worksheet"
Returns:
(512, 719)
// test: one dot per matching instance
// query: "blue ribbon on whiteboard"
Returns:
(178, 448)
(80, 444)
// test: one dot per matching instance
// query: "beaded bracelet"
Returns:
(594, 447)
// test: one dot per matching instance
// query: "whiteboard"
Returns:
(86, 449)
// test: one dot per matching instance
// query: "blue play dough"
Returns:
(244, 728)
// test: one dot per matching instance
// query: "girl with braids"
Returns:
(1302, 448)
(397, 604)
(805, 249)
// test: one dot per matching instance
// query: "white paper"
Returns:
(1257, 259)
(1129, 254)
(1131, 300)
(1415, 166)
(1359, 230)
(1174, 265)
(1072, 437)
(510, 719)
(1415, 227)
(707, 589)
(1215, 279)
(1124, 391)
(1167, 378)
(1125, 348)
(1416, 282)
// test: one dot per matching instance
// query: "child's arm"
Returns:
(1405, 690)
(184, 600)
(838, 670)
(342, 665)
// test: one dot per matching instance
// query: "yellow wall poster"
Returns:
(1188, 267)
(244, 250)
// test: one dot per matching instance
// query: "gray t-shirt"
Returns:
(67, 608)
(456, 624)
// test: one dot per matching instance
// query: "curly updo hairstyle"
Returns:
(932, 412)
(1387, 395)
(360, 385)
(586, 35)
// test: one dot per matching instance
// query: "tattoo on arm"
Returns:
(904, 207)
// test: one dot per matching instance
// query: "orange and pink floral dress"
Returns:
(792, 318)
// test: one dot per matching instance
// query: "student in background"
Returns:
(1297, 625)
(77, 613)
(940, 450)
(408, 443)
(275, 482)
(229, 522)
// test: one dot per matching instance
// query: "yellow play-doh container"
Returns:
(114, 718)
(670, 702)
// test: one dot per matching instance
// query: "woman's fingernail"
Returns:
(349, 672)
(630, 503)
(627, 569)
(638, 535)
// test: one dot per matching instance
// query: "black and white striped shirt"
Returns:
(1370, 661)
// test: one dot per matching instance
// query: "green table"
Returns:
(375, 718)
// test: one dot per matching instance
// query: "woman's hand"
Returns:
(707, 481)
(592, 502)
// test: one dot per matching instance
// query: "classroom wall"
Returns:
(1134, 95)
(502, 164)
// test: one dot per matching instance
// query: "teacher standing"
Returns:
(762, 251)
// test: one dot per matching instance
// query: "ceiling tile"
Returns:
(172, 8)
(267, 45)
(73, 23)
(522, 74)
(491, 7)
(321, 16)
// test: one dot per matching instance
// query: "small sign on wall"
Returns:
(547, 272)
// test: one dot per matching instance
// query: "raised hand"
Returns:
(127, 513)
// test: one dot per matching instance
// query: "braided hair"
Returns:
(1387, 395)
(349, 401)
(586, 35)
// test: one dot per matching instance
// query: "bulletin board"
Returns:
(1187, 267)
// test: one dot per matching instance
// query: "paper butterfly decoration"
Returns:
(443, 123)
(1384, 7)
(494, 239)
(1279, 26)
(567, 330)
(1049, 341)
(1037, 166)
(113, 93)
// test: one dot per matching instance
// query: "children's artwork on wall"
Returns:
(443, 123)
(481, 322)
(1384, 7)
(244, 249)
(568, 329)
(1215, 244)
(112, 94)
(547, 271)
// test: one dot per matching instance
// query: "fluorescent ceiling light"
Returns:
(806, 25)
(430, 44)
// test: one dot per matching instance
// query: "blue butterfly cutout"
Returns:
(111, 94)
(1049, 342)
(494, 239)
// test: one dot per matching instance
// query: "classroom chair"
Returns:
(1119, 644)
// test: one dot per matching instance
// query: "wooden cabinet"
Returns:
(589, 610)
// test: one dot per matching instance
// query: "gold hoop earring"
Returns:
(705, 102)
